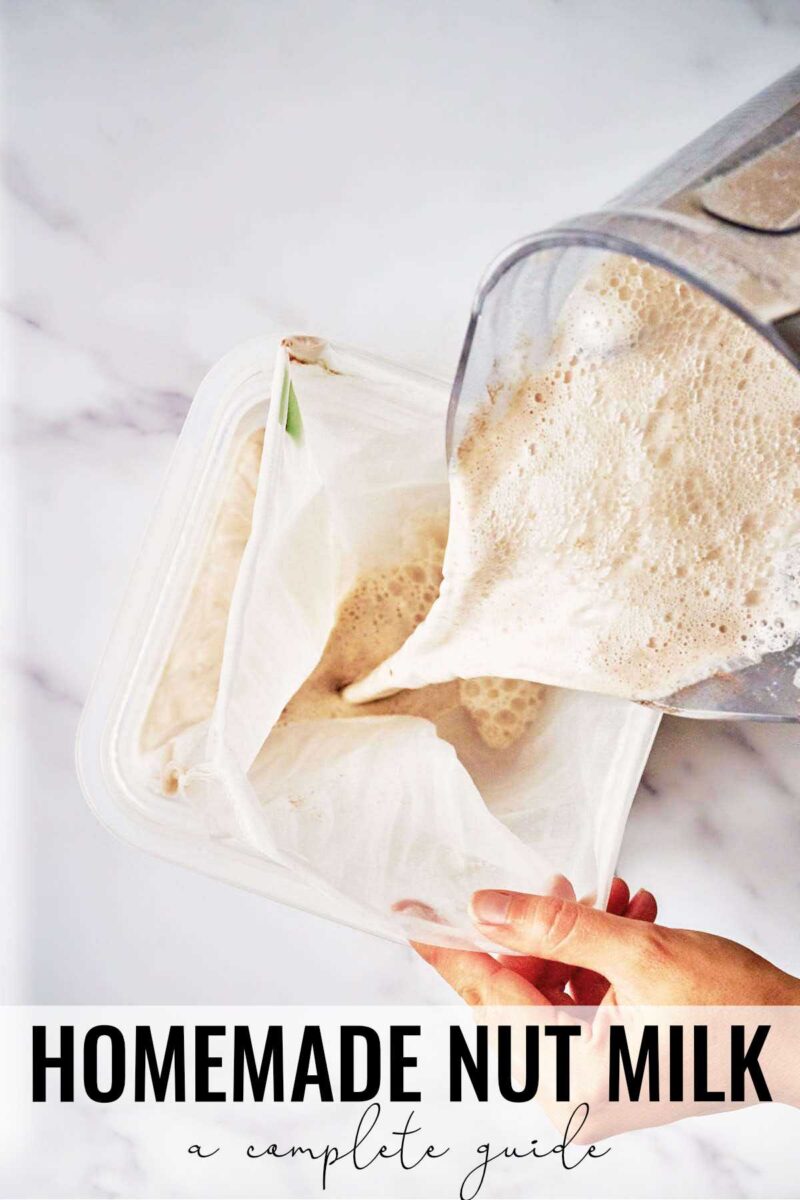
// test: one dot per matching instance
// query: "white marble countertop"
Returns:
(179, 177)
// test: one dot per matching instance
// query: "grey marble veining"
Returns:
(179, 177)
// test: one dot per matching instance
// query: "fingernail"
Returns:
(491, 908)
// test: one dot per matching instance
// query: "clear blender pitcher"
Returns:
(723, 214)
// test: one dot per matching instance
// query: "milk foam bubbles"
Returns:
(376, 616)
(628, 520)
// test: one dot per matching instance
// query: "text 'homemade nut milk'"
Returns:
(627, 521)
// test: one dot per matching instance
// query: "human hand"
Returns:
(573, 954)
(618, 964)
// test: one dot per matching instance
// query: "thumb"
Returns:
(563, 931)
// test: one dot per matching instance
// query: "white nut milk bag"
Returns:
(378, 812)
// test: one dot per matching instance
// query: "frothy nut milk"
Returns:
(628, 521)
(374, 619)
(376, 616)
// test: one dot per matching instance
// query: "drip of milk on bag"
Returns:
(627, 521)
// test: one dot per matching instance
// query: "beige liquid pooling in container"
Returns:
(485, 782)
(373, 620)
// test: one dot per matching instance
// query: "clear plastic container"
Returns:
(115, 773)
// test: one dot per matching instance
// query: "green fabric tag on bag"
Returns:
(289, 411)
(294, 422)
